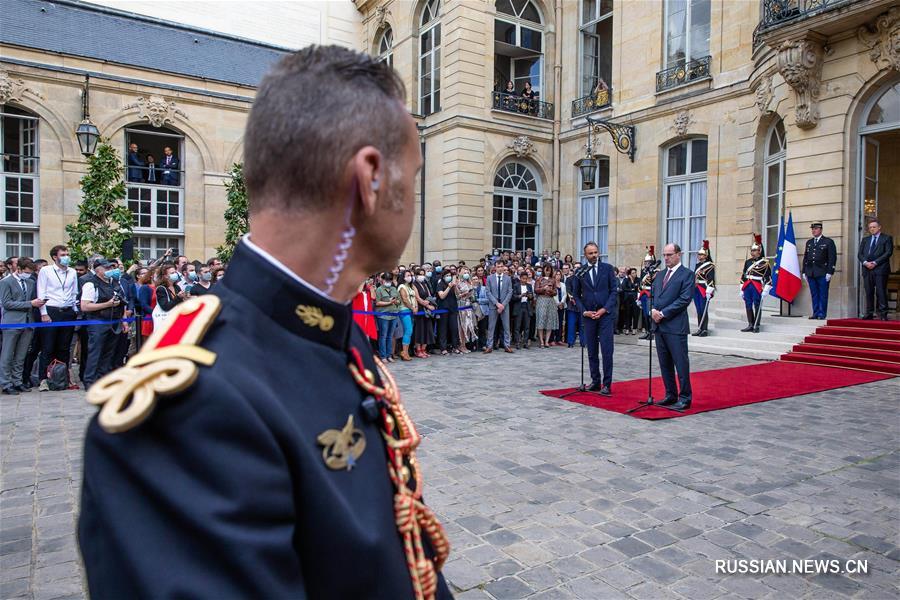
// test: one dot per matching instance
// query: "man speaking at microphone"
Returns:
(595, 290)
(672, 293)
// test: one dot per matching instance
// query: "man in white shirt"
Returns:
(58, 285)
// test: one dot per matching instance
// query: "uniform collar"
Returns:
(286, 298)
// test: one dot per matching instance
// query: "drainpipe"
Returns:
(421, 129)
(557, 101)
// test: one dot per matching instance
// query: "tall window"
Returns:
(596, 45)
(687, 31)
(430, 58)
(19, 183)
(594, 209)
(518, 45)
(154, 181)
(773, 207)
(685, 196)
(517, 208)
(386, 47)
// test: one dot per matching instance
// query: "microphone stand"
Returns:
(581, 389)
(650, 401)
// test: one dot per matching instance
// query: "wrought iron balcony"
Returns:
(591, 102)
(514, 103)
(682, 74)
(781, 12)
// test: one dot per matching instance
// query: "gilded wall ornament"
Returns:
(764, 95)
(522, 146)
(800, 63)
(156, 110)
(14, 89)
(882, 38)
(683, 122)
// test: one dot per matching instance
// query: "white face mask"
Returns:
(420, 278)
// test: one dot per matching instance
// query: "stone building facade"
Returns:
(728, 115)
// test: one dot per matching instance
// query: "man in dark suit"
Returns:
(17, 298)
(672, 293)
(169, 167)
(136, 165)
(596, 292)
(874, 254)
(819, 260)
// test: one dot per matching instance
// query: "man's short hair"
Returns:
(313, 111)
(55, 250)
(26, 263)
(873, 220)
(594, 244)
(676, 246)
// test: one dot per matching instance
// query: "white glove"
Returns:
(827, 276)
(741, 292)
(766, 290)
(710, 291)
(804, 277)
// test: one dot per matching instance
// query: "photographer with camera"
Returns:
(101, 299)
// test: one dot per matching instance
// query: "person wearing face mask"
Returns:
(17, 297)
(123, 287)
(101, 300)
(387, 305)
(409, 307)
(468, 333)
(204, 282)
(423, 324)
(437, 272)
(58, 285)
(448, 322)
(168, 294)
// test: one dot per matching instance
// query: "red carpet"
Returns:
(724, 388)
(852, 344)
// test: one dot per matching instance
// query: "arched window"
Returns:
(517, 208)
(154, 180)
(881, 125)
(19, 182)
(593, 206)
(518, 46)
(684, 196)
(773, 206)
(430, 58)
(386, 47)
(596, 46)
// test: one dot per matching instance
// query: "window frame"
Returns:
(777, 159)
(157, 192)
(385, 55)
(156, 245)
(599, 222)
(517, 194)
(518, 23)
(4, 243)
(689, 54)
(687, 181)
(435, 51)
(582, 31)
(31, 174)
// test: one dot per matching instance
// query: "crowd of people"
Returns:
(508, 300)
(92, 313)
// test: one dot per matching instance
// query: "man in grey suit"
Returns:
(499, 292)
(672, 294)
(18, 301)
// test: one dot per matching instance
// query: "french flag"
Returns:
(787, 265)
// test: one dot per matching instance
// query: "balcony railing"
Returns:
(591, 102)
(514, 103)
(779, 12)
(682, 74)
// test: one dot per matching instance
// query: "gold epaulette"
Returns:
(166, 365)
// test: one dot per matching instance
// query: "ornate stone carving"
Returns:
(13, 89)
(522, 146)
(882, 38)
(800, 63)
(381, 13)
(156, 110)
(683, 122)
(764, 95)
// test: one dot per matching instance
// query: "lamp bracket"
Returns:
(622, 135)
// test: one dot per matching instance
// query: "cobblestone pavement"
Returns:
(544, 498)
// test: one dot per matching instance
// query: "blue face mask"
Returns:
(193, 276)
(466, 275)
(438, 269)
(64, 261)
(174, 277)
(113, 273)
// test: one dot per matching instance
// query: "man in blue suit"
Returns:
(135, 164)
(595, 292)
(672, 292)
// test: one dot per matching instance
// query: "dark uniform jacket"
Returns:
(820, 257)
(223, 491)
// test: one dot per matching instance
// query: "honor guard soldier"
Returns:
(648, 274)
(756, 281)
(819, 260)
(255, 447)
(705, 280)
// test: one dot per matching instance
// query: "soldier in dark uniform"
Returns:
(756, 281)
(648, 274)
(255, 448)
(705, 282)
(819, 260)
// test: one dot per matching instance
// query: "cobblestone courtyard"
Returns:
(544, 498)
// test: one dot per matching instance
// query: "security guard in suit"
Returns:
(819, 261)
(255, 447)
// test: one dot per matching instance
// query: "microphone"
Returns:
(581, 272)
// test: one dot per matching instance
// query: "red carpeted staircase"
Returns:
(852, 344)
